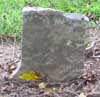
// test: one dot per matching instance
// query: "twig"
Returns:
(13, 50)
(80, 85)
(2, 44)
(54, 93)
(13, 62)
(69, 91)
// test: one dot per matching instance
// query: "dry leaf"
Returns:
(82, 95)
(11, 68)
(47, 94)
(42, 85)
(1, 96)
(54, 89)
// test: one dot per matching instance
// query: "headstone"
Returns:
(53, 43)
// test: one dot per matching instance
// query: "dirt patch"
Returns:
(10, 55)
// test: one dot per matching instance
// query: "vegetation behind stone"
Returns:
(10, 11)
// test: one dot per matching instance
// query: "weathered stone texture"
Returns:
(53, 43)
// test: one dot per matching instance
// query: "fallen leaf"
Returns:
(82, 95)
(1, 96)
(54, 89)
(47, 94)
(42, 85)
(30, 75)
(11, 68)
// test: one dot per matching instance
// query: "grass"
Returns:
(10, 20)
(10, 11)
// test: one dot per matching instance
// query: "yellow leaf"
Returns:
(42, 85)
(30, 75)
(82, 95)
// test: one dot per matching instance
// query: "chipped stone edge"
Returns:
(27, 9)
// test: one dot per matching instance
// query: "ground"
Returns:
(87, 85)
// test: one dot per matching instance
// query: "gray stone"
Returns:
(53, 43)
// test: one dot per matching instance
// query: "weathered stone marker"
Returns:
(53, 43)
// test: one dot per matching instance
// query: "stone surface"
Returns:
(53, 43)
